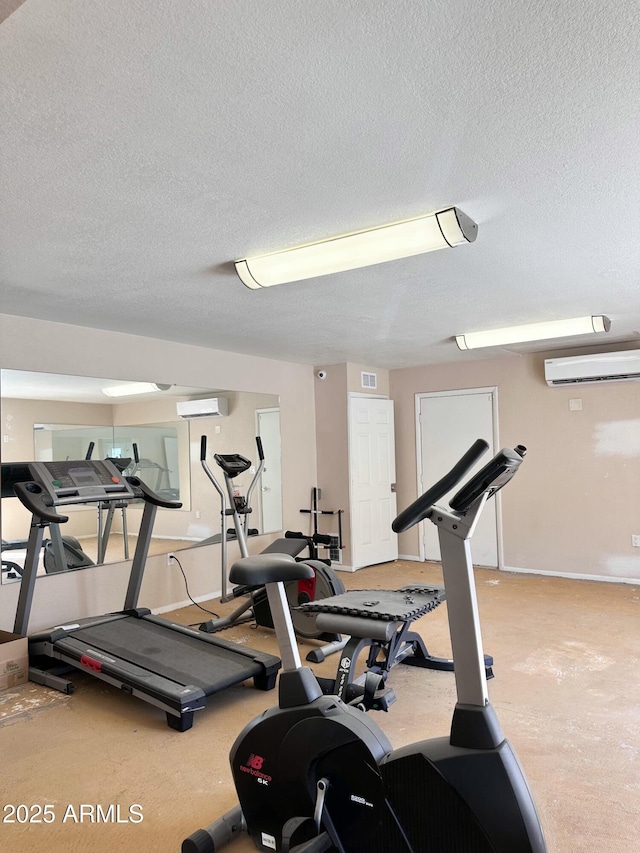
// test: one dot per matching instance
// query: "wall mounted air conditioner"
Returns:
(213, 408)
(600, 367)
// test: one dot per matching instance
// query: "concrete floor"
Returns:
(566, 690)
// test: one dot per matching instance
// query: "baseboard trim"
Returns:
(572, 575)
(337, 567)
(166, 608)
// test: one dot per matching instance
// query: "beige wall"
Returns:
(576, 500)
(27, 344)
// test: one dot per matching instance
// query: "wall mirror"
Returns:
(52, 417)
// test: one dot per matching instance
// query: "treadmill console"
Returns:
(81, 481)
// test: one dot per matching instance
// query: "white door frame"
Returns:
(493, 390)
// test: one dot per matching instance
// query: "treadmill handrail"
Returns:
(34, 500)
(143, 491)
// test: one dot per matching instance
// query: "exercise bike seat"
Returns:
(262, 569)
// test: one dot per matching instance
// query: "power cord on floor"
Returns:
(192, 600)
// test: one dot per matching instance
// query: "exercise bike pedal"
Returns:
(320, 844)
(318, 841)
(373, 695)
(301, 826)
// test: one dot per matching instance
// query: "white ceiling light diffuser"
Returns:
(534, 332)
(131, 388)
(439, 230)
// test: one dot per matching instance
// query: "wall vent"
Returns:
(335, 552)
(369, 380)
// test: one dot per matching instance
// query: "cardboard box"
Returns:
(14, 660)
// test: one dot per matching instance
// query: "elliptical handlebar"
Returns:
(423, 506)
(259, 470)
(209, 472)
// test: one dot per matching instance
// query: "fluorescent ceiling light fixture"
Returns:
(534, 332)
(132, 388)
(439, 230)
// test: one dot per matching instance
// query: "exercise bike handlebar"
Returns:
(423, 506)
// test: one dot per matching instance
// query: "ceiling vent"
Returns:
(589, 369)
(213, 408)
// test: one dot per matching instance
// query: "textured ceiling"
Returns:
(146, 145)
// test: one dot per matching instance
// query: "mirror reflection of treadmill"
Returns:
(165, 664)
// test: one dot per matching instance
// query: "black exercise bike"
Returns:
(316, 775)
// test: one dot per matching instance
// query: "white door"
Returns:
(372, 474)
(268, 428)
(448, 424)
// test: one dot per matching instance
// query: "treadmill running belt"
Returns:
(179, 657)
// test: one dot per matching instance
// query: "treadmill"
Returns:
(58, 546)
(165, 664)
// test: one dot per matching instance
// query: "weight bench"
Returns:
(379, 620)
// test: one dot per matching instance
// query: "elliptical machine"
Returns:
(315, 775)
(254, 604)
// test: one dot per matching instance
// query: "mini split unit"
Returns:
(213, 408)
(586, 369)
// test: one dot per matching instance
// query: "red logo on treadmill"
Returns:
(91, 663)
(254, 767)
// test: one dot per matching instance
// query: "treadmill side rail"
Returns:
(177, 700)
(168, 665)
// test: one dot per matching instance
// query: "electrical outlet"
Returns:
(197, 513)
(170, 559)
(635, 540)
